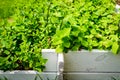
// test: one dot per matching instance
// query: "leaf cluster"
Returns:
(6, 8)
(87, 24)
(21, 41)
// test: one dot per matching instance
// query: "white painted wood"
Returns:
(92, 76)
(91, 65)
(54, 59)
(50, 54)
(94, 61)
(52, 63)
(60, 66)
(55, 62)
(117, 8)
(48, 50)
(60, 62)
(27, 75)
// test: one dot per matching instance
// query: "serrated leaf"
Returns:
(113, 27)
(84, 43)
(57, 41)
(114, 37)
(115, 48)
(93, 31)
(63, 33)
(76, 47)
(75, 31)
(107, 43)
(59, 49)
(7, 52)
(66, 44)
(57, 38)
(94, 43)
(57, 14)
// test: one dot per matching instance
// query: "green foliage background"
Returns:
(6, 8)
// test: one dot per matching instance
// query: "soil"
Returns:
(118, 2)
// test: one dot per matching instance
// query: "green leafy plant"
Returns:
(87, 25)
(22, 40)
(61, 24)
(4, 78)
(6, 8)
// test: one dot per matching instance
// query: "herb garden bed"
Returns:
(64, 25)
(53, 70)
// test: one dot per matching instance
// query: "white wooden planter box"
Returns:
(55, 63)
(94, 65)
(77, 65)
(53, 71)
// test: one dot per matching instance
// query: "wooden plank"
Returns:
(51, 65)
(27, 75)
(60, 66)
(92, 76)
(99, 61)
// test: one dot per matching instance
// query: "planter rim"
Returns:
(24, 72)
(19, 71)
(82, 50)
(93, 50)
(48, 50)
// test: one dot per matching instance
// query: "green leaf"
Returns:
(63, 33)
(107, 43)
(115, 48)
(112, 27)
(66, 44)
(76, 47)
(60, 34)
(84, 43)
(93, 31)
(94, 43)
(59, 49)
(114, 37)
(75, 31)
(57, 14)
(57, 40)
(7, 52)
